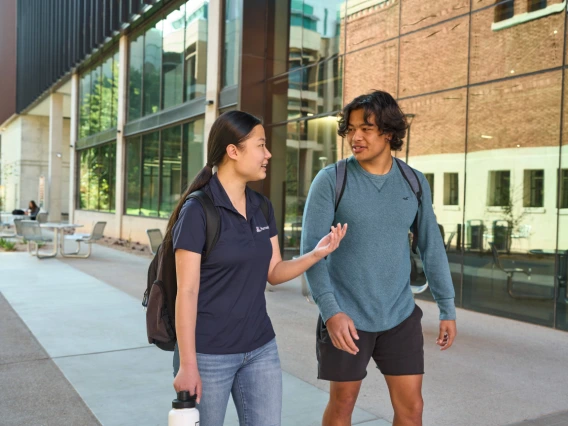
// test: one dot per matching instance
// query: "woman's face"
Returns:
(253, 156)
(31, 206)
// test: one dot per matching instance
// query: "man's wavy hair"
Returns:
(389, 118)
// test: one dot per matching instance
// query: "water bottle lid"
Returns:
(184, 400)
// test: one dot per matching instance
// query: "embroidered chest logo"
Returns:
(263, 228)
(405, 198)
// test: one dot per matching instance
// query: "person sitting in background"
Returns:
(33, 210)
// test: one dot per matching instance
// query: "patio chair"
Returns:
(510, 274)
(155, 238)
(31, 232)
(41, 217)
(89, 239)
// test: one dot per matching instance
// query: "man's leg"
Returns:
(406, 397)
(399, 354)
(342, 399)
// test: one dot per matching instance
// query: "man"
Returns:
(363, 288)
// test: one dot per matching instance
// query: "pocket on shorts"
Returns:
(322, 333)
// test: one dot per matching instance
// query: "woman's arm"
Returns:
(188, 269)
(281, 271)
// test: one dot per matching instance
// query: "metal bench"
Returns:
(89, 239)
(31, 232)
(155, 238)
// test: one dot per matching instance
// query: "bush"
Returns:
(7, 245)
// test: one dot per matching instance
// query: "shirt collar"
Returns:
(221, 199)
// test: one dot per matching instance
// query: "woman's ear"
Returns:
(232, 151)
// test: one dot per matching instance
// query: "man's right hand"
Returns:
(342, 331)
(188, 379)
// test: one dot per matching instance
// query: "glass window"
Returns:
(152, 69)
(160, 167)
(504, 10)
(533, 188)
(564, 188)
(96, 178)
(84, 105)
(150, 174)
(173, 27)
(533, 5)
(115, 76)
(135, 78)
(499, 188)
(133, 175)
(310, 145)
(195, 48)
(171, 170)
(106, 94)
(98, 103)
(232, 42)
(451, 189)
(430, 178)
(96, 94)
(193, 145)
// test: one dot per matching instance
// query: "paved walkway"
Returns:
(74, 351)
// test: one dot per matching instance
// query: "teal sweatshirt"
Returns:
(368, 276)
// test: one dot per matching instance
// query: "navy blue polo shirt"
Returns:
(231, 307)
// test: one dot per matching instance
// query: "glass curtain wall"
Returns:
(159, 166)
(484, 127)
(168, 60)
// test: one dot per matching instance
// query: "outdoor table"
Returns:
(57, 229)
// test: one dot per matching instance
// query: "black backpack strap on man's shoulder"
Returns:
(412, 178)
(212, 220)
(340, 180)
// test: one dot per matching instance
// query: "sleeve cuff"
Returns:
(447, 309)
(328, 306)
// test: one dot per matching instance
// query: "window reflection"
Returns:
(159, 166)
(96, 178)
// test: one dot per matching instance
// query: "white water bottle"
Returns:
(183, 412)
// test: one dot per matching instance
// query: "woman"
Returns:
(33, 210)
(225, 340)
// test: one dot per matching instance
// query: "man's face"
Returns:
(365, 138)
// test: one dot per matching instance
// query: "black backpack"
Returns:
(160, 295)
(408, 174)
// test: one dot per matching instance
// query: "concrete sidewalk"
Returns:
(95, 334)
(87, 324)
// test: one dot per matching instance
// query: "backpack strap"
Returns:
(412, 178)
(212, 220)
(340, 180)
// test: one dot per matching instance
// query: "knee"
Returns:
(410, 411)
(343, 405)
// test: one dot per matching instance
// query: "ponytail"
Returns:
(202, 179)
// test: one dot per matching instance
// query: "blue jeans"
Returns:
(253, 378)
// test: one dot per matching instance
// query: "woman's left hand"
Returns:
(330, 242)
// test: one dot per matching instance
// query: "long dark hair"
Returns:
(34, 205)
(388, 116)
(230, 128)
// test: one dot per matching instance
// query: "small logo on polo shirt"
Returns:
(405, 198)
(264, 228)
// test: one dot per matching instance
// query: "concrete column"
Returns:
(120, 142)
(214, 50)
(74, 127)
(53, 187)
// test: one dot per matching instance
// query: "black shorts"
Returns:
(397, 352)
